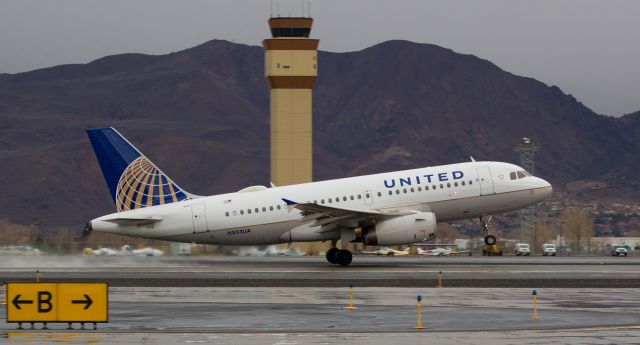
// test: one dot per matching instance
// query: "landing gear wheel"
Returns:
(343, 257)
(490, 240)
(332, 255)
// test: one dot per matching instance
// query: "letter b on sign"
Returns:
(44, 302)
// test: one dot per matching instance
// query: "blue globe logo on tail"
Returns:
(133, 180)
(142, 184)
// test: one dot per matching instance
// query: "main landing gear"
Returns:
(488, 239)
(337, 256)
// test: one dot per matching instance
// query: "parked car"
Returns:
(619, 250)
(522, 249)
(549, 249)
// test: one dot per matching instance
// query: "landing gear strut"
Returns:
(337, 256)
(488, 239)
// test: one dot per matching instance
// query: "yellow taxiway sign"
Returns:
(57, 302)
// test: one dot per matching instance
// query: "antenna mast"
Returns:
(527, 150)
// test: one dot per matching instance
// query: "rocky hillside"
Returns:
(202, 115)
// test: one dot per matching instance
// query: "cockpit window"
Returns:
(515, 175)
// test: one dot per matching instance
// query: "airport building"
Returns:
(291, 69)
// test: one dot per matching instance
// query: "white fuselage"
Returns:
(261, 217)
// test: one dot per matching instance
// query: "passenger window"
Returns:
(257, 210)
(404, 190)
(390, 192)
(322, 201)
(226, 214)
(470, 182)
(455, 184)
(352, 197)
(329, 200)
(419, 189)
(426, 188)
(241, 211)
(412, 190)
(249, 211)
(512, 175)
(270, 208)
(278, 207)
(441, 186)
(434, 187)
(359, 196)
(379, 194)
(344, 198)
(315, 201)
(367, 196)
(338, 199)
(397, 191)
(264, 209)
(448, 185)
(462, 183)
(520, 174)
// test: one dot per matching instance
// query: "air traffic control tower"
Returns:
(291, 69)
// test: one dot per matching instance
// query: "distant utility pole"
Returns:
(527, 150)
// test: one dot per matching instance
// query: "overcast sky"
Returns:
(590, 49)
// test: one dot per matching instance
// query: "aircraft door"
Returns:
(485, 181)
(368, 197)
(199, 218)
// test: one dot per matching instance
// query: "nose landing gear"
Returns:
(488, 239)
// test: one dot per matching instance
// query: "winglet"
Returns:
(289, 202)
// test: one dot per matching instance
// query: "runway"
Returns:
(300, 300)
(369, 271)
(383, 315)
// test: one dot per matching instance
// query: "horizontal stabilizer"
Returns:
(134, 221)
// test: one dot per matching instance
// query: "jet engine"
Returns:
(401, 230)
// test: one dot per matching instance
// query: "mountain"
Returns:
(202, 115)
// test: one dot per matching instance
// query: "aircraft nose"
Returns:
(545, 189)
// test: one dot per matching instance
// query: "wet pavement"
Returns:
(165, 314)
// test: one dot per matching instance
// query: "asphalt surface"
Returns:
(316, 315)
(370, 271)
(300, 300)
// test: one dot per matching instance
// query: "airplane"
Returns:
(388, 209)
(389, 251)
(292, 252)
(253, 251)
(269, 251)
(440, 251)
(102, 251)
(125, 250)
(147, 251)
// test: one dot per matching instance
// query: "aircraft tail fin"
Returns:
(133, 180)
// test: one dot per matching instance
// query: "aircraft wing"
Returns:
(330, 217)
